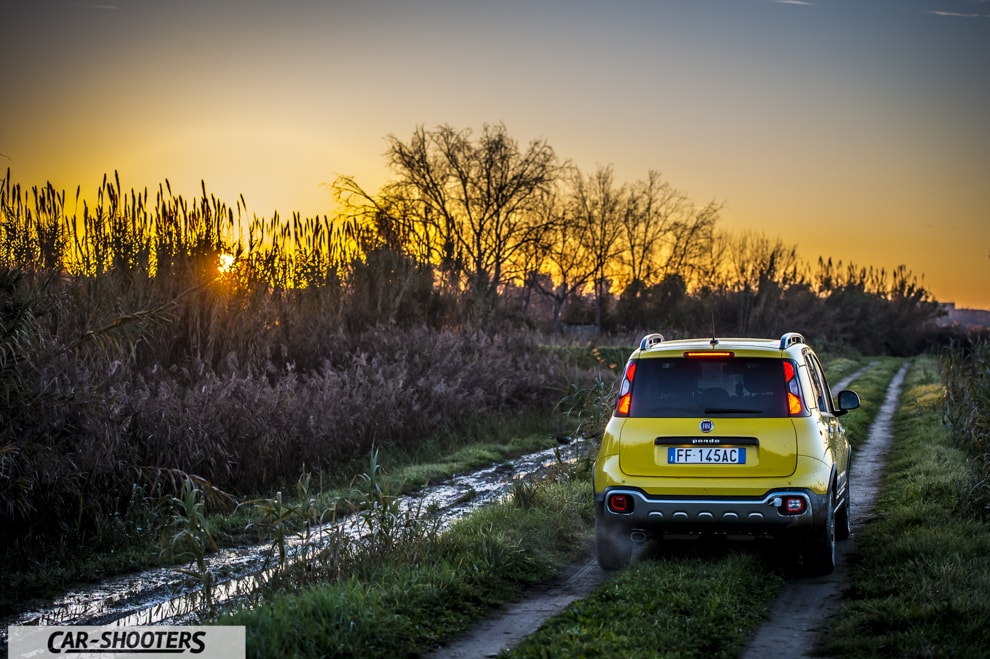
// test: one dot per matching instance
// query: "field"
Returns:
(171, 371)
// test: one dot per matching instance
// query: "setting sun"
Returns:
(226, 263)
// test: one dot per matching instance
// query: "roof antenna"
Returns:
(714, 341)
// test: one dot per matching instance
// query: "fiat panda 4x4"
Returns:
(724, 436)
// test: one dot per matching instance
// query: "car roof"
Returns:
(655, 345)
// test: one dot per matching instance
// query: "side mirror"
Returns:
(848, 400)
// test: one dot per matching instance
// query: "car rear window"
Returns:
(685, 387)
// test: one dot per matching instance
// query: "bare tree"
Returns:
(646, 219)
(597, 208)
(760, 272)
(476, 203)
(563, 265)
(664, 233)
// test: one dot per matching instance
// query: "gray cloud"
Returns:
(956, 14)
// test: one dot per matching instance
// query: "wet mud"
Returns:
(166, 596)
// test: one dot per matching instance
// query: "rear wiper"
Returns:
(731, 410)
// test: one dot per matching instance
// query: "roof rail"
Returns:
(790, 338)
(650, 340)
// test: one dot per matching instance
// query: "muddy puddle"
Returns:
(166, 596)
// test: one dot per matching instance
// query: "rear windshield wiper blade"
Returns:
(731, 410)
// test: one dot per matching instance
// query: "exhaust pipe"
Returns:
(639, 537)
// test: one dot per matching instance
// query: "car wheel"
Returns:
(843, 522)
(819, 555)
(613, 544)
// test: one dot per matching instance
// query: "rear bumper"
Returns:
(656, 515)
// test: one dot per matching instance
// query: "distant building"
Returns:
(970, 318)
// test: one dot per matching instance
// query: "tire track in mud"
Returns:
(803, 603)
(165, 596)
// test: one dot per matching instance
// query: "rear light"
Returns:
(794, 405)
(791, 505)
(708, 354)
(620, 503)
(788, 370)
(624, 403)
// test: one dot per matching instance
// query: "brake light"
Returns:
(708, 354)
(794, 405)
(620, 503)
(625, 402)
(625, 390)
(788, 371)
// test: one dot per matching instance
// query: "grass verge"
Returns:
(673, 606)
(872, 389)
(411, 598)
(920, 572)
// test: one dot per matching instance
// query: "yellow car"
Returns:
(724, 436)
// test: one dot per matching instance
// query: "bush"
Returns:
(250, 430)
(966, 373)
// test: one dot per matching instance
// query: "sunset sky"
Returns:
(856, 129)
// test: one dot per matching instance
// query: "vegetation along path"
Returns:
(168, 595)
(791, 630)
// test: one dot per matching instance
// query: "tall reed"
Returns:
(126, 353)
(966, 373)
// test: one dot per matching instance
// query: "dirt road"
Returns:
(523, 618)
(790, 632)
(803, 603)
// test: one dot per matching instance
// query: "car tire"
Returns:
(613, 545)
(843, 521)
(819, 554)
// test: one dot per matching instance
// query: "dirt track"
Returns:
(803, 604)
(790, 632)
(497, 633)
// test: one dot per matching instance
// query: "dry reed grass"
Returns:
(125, 354)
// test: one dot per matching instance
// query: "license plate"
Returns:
(706, 455)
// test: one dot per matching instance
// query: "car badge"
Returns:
(707, 425)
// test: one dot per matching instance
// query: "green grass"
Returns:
(430, 589)
(837, 368)
(674, 606)
(920, 572)
(443, 461)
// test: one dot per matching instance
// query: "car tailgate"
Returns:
(650, 447)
